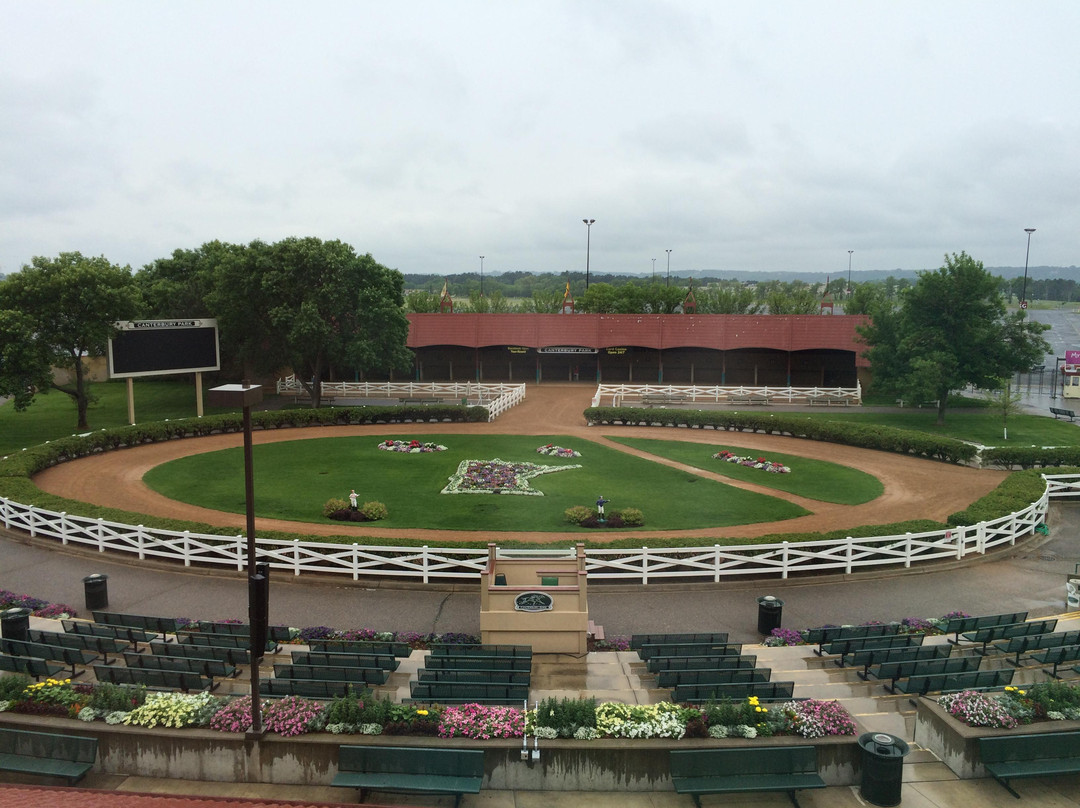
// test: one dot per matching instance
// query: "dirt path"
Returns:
(913, 488)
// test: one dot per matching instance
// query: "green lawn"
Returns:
(814, 479)
(294, 479)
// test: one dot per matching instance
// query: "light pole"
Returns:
(481, 276)
(588, 245)
(1023, 294)
(654, 270)
(668, 281)
(245, 396)
(849, 252)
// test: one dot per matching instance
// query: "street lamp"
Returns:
(588, 245)
(668, 282)
(481, 276)
(849, 252)
(246, 395)
(1023, 294)
(654, 270)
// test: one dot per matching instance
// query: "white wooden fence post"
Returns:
(784, 555)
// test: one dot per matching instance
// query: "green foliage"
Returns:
(566, 716)
(352, 708)
(1016, 492)
(632, 517)
(108, 698)
(578, 513)
(374, 511)
(12, 686)
(333, 505)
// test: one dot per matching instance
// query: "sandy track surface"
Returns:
(913, 488)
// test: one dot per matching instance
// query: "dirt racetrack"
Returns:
(913, 488)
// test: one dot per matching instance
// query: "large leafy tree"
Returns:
(61, 310)
(312, 305)
(950, 330)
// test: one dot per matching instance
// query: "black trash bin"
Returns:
(769, 612)
(96, 591)
(882, 767)
(15, 623)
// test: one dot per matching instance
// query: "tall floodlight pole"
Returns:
(246, 396)
(668, 281)
(1023, 294)
(588, 245)
(849, 252)
(654, 270)
(481, 276)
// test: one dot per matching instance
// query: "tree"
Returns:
(950, 330)
(314, 306)
(25, 365)
(727, 299)
(421, 302)
(69, 306)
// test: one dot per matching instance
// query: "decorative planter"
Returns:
(957, 744)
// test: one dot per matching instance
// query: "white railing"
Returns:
(498, 398)
(632, 394)
(710, 563)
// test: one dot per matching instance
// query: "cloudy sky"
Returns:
(741, 136)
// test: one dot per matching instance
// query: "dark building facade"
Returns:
(702, 349)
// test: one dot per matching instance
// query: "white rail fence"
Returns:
(429, 564)
(630, 394)
(498, 398)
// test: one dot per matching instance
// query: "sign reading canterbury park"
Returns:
(566, 349)
(533, 602)
(160, 347)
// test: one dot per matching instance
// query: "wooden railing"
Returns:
(620, 395)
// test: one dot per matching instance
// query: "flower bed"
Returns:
(755, 463)
(551, 450)
(37, 606)
(411, 446)
(1043, 701)
(498, 477)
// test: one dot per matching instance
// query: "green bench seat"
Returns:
(468, 693)
(379, 647)
(732, 691)
(743, 770)
(160, 625)
(443, 662)
(388, 662)
(210, 668)
(420, 770)
(825, 634)
(846, 645)
(101, 645)
(55, 653)
(638, 640)
(475, 676)
(713, 676)
(1050, 754)
(923, 667)
(153, 678)
(454, 649)
(1056, 656)
(232, 656)
(876, 656)
(647, 652)
(132, 635)
(959, 625)
(46, 754)
(690, 663)
(363, 676)
(308, 688)
(952, 682)
(1005, 631)
(31, 666)
(1036, 642)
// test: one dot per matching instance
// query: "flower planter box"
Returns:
(956, 743)
(564, 765)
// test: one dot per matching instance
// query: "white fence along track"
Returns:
(633, 394)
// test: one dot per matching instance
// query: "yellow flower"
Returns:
(421, 712)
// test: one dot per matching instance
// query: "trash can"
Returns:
(15, 623)
(96, 591)
(882, 767)
(769, 611)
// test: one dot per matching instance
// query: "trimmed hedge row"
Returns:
(1031, 457)
(1015, 493)
(866, 436)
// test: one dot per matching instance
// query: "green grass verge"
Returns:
(814, 479)
(293, 479)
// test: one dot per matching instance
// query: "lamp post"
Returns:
(1023, 294)
(654, 270)
(481, 276)
(246, 395)
(588, 245)
(668, 281)
(849, 252)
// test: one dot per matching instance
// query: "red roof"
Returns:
(718, 332)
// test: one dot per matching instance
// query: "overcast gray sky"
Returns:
(753, 135)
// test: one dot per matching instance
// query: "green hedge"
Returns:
(1016, 492)
(866, 436)
(1031, 457)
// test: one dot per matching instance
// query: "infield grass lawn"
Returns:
(813, 479)
(295, 478)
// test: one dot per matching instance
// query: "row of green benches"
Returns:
(487, 674)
